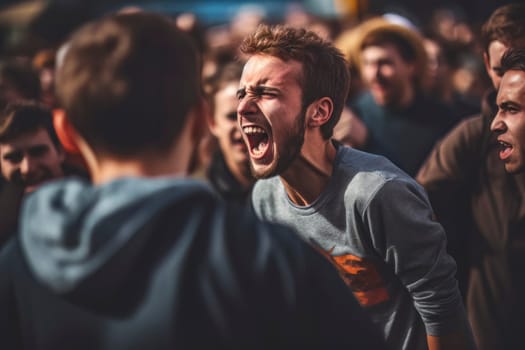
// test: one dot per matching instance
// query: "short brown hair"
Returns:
(325, 70)
(506, 24)
(128, 81)
(25, 117)
(513, 59)
(20, 76)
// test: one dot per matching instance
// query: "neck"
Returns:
(174, 162)
(109, 169)
(309, 174)
(245, 181)
(243, 175)
(240, 170)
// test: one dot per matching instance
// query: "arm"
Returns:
(414, 246)
(451, 341)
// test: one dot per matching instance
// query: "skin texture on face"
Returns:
(31, 159)
(387, 75)
(270, 113)
(493, 61)
(225, 128)
(509, 123)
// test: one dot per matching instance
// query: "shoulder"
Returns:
(467, 134)
(264, 186)
(471, 125)
(267, 191)
(456, 155)
(364, 175)
(367, 168)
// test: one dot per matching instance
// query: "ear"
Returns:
(201, 116)
(210, 120)
(65, 131)
(319, 112)
(70, 140)
(486, 60)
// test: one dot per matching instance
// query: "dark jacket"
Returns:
(404, 135)
(164, 264)
(482, 209)
(225, 183)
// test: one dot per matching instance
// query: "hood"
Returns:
(69, 228)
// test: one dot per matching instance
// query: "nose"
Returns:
(377, 71)
(246, 107)
(497, 125)
(27, 166)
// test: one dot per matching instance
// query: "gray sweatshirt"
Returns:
(375, 224)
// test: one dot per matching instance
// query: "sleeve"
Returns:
(399, 218)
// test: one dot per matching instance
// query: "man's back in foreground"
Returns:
(141, 263)
(140, 259)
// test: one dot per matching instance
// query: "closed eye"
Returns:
(509, 108)
(265, 91)
(13, 157)
(257, 92)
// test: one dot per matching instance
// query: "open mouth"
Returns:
(505, 150)
(257, 139)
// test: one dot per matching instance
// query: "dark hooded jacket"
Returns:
(163, 264)
(225, 183)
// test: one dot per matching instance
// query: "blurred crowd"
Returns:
(453, 74)
(415, 85)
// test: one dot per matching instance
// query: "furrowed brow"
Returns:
(507, 105)
(241, 92)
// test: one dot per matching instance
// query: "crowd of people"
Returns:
(313, 182)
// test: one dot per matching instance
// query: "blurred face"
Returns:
(270, 113)
(227, 131)
(437, 69)
(31, 159)
(388, 76)
(509, 123)
(493, 61)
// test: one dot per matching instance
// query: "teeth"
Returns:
(249, 130)
(504, 144)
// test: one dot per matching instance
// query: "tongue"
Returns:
(505, 152)
(259, 148)
(259, 143)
